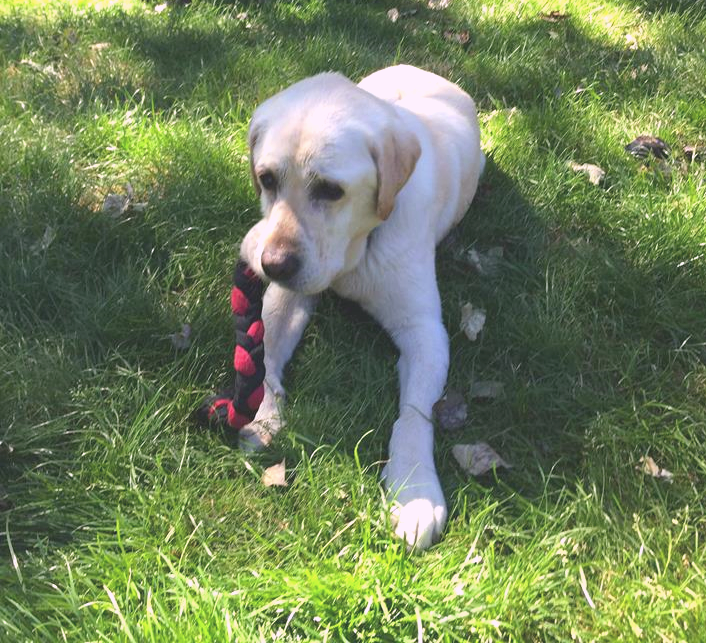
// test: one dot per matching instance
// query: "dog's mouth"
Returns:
(284, 262)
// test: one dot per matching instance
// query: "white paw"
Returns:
(268, 421)
(258, 435)
(418, 508)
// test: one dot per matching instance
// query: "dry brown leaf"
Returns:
(485, 263)
(275, 476)
(394, 14)
(487, 390)
(694, 152)
(115, 205)
(451, 411)
(645, 144)
(477, 459)
(554, 16)
(47, 70)
(472, 321)
(649, 467)
(594, 173)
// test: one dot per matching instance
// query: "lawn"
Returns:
(122, 520)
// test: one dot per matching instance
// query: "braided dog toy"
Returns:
(236, 406)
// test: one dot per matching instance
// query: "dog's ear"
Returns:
(255, 129)
(395, 153)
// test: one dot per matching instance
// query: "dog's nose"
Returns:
(280, 263)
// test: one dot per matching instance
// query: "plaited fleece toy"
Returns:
(236, 406)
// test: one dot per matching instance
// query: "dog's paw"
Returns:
(418, 508)
(268, 421)
(258, 435)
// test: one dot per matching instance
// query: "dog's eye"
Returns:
(326, 191)
(267, 181)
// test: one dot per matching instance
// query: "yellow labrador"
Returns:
(358, 183)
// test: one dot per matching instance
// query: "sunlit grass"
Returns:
(121, 520)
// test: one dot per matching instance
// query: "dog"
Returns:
(357, 185)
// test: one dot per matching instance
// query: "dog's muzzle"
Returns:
(280, 263)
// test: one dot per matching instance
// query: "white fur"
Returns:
(402, 129)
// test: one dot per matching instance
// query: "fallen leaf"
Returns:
(46, 240)
(595, 174)
(477, 459)
(485, 263)
(645, 144)
(438, 5)
(182, 340)
(394, 14)
(47, 70)
(694, 152)
(451, 411)
(472, 321)
(460, 37)
(554, 16)
(649, 467)
(115, 205)
(274, 476)
(487, 390)
(631, 41)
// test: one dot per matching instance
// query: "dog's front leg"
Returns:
(418, 505)
(285, 315)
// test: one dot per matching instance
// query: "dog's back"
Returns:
(450, 116)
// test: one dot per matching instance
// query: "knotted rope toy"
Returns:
(236, 406)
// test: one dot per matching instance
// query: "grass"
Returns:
(121, 521)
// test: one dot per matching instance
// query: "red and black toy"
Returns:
(236, 406)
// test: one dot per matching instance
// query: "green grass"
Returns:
(122, 521)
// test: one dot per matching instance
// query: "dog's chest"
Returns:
(376, 282)
(355, 285)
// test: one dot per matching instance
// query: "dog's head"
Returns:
(327, 161)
